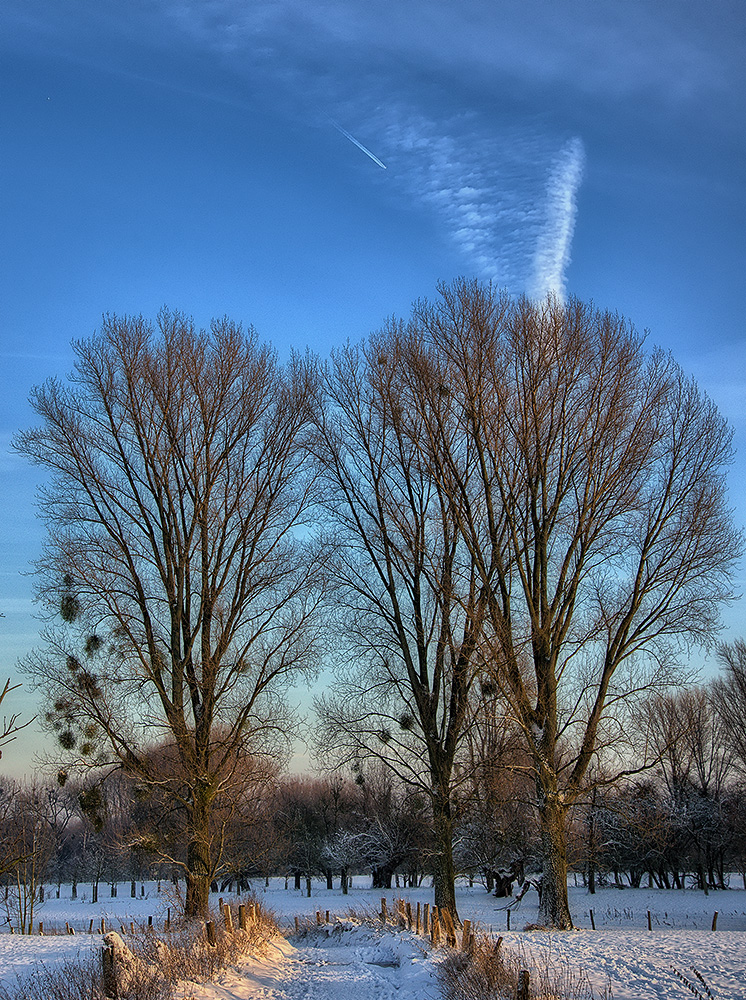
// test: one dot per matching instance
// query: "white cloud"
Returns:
(504, 196)
(553, 246)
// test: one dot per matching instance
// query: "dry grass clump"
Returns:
(80, 979)
(187, 954)
(488, 972)
(149, 967)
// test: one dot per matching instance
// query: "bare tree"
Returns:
(696, 762)
(729, 697)
(588, 478)
(410, 604)
(176, 508)
(27, 831)
(10, 726)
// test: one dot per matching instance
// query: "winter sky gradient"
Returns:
(225, 157)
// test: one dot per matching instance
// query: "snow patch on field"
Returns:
(347, 960)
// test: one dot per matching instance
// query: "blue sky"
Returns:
(206, 154)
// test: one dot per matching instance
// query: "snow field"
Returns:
(362, 962)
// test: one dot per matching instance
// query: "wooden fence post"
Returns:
(418, 922)
(449, 928)
(593, 922)
(409, 916)
(242, 923)
(466, 936)
(109, 973)
(715, 920)
(650, 923)
(521, 992)
(228, 916)
(210, 931)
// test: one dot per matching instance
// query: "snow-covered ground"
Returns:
(372, 963)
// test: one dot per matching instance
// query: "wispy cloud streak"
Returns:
(553, 247)
(503, 197)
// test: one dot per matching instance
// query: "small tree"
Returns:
(31, 838)
(10, 726)
(729, 698)
(178, 484)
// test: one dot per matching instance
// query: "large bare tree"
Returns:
(588, 478)
(177, 552)
(409, 601)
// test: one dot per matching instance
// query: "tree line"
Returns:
(503, 522)
(680, 825)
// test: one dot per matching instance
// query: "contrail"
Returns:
(359, 145)
(553, 250)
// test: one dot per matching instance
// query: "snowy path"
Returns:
(361, 963)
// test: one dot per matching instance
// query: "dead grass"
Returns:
(489, 972)
(157, 962)
(80, 979)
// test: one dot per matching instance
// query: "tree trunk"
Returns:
(554, 909)
(444, 875)
(198, 858)
(382, 877)
(592, 845)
